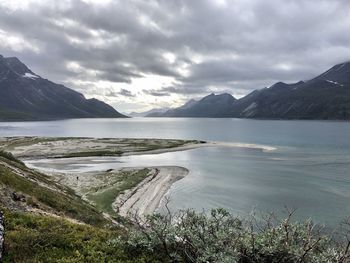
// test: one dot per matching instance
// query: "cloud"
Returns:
(201, 45)
(156, 93)
(126, 93)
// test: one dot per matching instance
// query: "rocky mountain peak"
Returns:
(340, 73)
(15, 65)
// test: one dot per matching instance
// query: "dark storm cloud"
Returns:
(235, 45)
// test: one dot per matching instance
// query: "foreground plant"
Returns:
(190, 236)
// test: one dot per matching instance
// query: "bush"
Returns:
(222, 237)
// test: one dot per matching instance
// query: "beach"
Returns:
(146, 197)
(142, 199)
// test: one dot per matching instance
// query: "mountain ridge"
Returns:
(325, 97)
(25, 95)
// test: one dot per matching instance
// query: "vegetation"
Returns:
(141, 146)
(195, 237)
(6, 115)
(35, 147)
(90, 154)
(104, 197)
(9, 156)
(221, 237)
(134, 145)
(54, 197)
(35, 238)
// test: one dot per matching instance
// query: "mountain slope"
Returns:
(324, 97)
(25, 95)
(209, 106)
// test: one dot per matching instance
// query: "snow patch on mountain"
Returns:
(30, 76)
(334, 82)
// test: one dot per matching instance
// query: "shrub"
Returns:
(222, 237)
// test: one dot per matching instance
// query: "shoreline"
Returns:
(145, 198)
(142, 199)
(262, 147)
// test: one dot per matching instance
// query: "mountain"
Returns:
(325, 97)
(149, 112)
(24, 95)
(209, 106)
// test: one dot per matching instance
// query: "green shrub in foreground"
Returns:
(221, 237)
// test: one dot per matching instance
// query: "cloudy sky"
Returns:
(140, 54)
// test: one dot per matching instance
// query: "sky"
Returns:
(143, 54)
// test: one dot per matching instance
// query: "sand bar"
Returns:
(145, 198)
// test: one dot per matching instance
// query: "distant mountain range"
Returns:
(210, 106)
(24, 95)
(149, 112)
(325, 97)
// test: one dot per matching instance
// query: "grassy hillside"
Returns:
(47, 222)
(36, 191)
(6, 115)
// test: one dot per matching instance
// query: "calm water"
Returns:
(310, 170)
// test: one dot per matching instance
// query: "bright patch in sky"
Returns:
(284, 66)
(170, 57)
(16, 43)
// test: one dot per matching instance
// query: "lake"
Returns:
(309, 171)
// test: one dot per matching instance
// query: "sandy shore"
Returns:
(262, 147)
(265, 148)
(145, 198)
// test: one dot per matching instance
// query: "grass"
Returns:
(139, 146)
(90, 153)
(7, 115)
(36, 238)
(62, 199)
(147, 146)
(12, 142)
(9, 156)
(103, 197)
